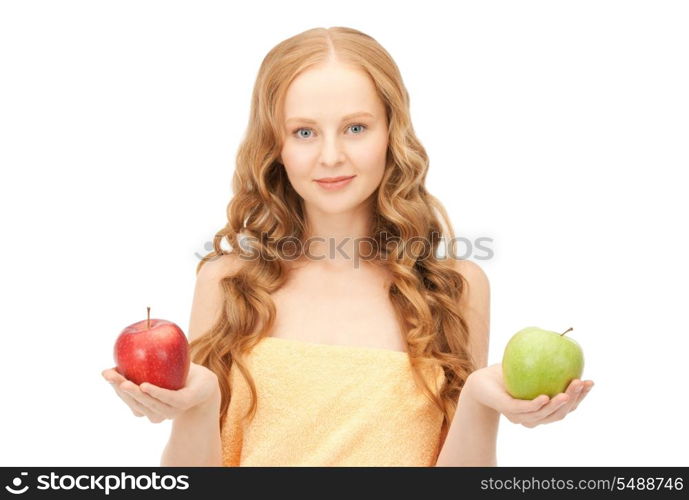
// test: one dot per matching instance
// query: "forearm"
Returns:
(472, 437)
(195, 438)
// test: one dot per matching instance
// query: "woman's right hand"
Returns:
(159, 404)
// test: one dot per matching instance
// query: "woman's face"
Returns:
(322, 140)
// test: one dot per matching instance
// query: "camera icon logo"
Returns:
(16, 483)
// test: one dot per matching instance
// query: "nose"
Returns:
(331, 151)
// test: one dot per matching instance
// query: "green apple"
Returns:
(538, 361)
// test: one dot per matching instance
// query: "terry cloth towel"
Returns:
(330, 405)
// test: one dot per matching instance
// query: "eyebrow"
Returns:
(345, 118)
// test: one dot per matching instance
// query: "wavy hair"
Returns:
(266, 210)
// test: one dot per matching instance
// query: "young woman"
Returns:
(332, 333)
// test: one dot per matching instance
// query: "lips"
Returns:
(335, 179)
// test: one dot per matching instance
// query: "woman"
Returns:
(332, 333)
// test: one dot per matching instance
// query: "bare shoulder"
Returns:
(208, 300)
(474, 274)
(475, 305)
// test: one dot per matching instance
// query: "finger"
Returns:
(529, 406)
(175, 399)
(573, 385)
(133, 405)
(143, 410)
(577, 393)
(156, 406)
(558, 414)
(587, 388)
(574, 391)
(554, 405)
(112, 376)
(136, 407)
(581, 389)
(562, 412)
(566, 401)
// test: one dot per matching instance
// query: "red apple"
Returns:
(154, 351)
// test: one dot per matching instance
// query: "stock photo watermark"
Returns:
(100, 483)
(418, 248)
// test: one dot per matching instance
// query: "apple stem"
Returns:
(148, 317)
(570, 328)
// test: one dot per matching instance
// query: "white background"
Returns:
(558, 129)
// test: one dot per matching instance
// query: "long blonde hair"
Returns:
(424, 290)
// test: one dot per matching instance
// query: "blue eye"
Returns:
(348, 126)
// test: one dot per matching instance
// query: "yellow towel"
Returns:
(330, 405)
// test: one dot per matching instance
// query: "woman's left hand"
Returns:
(487, 387)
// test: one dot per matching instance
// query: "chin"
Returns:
(340, 206)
